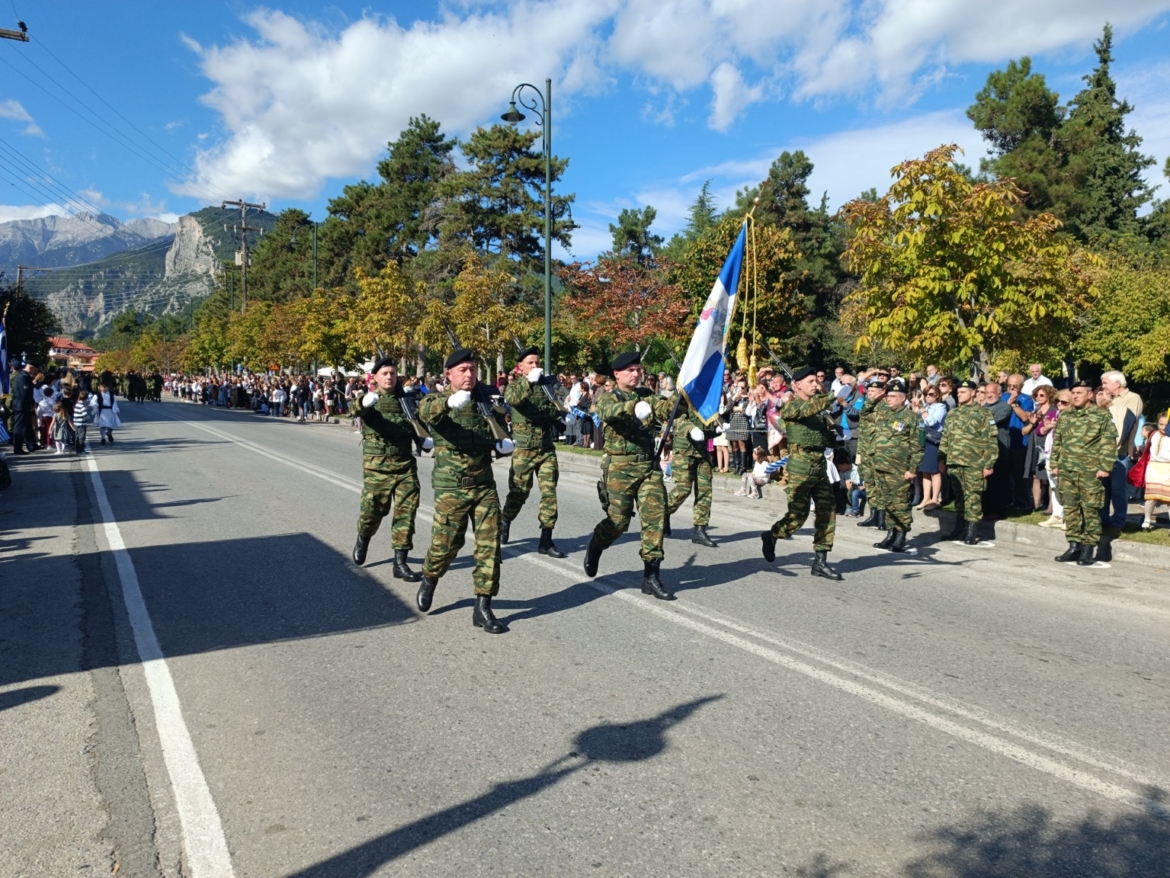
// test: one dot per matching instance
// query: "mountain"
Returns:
(161, 276)
(54, 241)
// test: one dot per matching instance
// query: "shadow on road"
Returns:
(1028, 841)
(608, 742)
(17, 697)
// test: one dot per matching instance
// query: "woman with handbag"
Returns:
(933, 412)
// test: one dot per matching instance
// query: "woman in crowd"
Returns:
(933, 413)
(1157, 475)
(1040, 442)
(739, 427)
(1046, 428)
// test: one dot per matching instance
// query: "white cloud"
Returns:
(732, 95)
(13, 109)
(9, 212)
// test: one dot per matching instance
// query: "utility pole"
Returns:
(20, 35)
(242, 254)
(20, 270)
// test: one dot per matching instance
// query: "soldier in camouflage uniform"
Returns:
(968, 451)
(894, 457)
(389, 471)
(632, 474)
(691, 465)
(465, 488)
(535, 422)
(809, 435)
(1084, 448)
(875, 390)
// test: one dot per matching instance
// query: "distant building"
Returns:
(69, 354)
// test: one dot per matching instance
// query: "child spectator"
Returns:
(1156, 476)
(757, 477)
(45, 414)
(82, 418)
(61, 429)
(855, 485)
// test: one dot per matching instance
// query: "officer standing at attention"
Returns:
(691, 465)
(894, 457)
(464, 488)
(535, 422)
(1084, 447)
(875, 390)
(809, 435)
(968, 450)
(633, 475)
(389, 470)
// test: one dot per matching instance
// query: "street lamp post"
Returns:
(541, 106)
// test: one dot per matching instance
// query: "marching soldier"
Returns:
(968, 450)
(389, 471)
(809, 435)
(894, 456)
(465, 488)
(691, 465)
(875, 390)
(535, 420)
(633, 475)
(1084, 447)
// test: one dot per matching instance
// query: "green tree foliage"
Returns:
(952, 275)
(703, 215)
(1158, 222)
(632, 236)
(28, 322)
(282, 260)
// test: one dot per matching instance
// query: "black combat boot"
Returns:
(666, 525)
(1105, 550)
(483, 617)
(959, 531)
(769, 545)
(972, 537)
(505, 531)
(401, 570)
(701, 538)
(359, 550)
(592, 556)
(891, 535)
(899, 543)
(872, 521)
(1071, 553)
(820, 567)
(651, 584)
(1086, 558)
(426, 592)
(546, 546)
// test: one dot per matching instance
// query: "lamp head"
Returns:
(513, 115)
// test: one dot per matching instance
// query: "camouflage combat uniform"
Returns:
(389, 472)
(630, 475)
(865, 428)
(969, 445)
(465, 487)
(807, 474)
(535, 422)
(691, 465)
(893, 451)
(1084, 442)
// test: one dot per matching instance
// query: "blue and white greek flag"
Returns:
(5, 388)
(701, 375)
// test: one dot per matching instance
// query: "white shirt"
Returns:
(1032, 383)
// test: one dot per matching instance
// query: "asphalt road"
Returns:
(265, 708)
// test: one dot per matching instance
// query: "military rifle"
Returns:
(484, 403)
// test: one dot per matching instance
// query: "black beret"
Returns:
(1082, 383)
(804, 373)
(33, 364)
(624, 360)
(895, 385)
(459, 355)
(969, 384)
(384, 361)
(529, 352)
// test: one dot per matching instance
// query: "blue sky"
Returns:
(286, 103)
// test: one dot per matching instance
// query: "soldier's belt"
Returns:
(634, 458)
(474, 481)
(796, 449)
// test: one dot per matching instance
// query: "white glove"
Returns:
(459, 399)
(696, 434)
(535, 374)
(719, 429)
(428, 444)
(369, 399)
(643, 410)
(505, 446)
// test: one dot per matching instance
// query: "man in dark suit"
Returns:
(24, 422)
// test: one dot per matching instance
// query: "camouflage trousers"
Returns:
(627, 484)
(480, 504)
(967, 484)
(691, 471)
(383, 491)
(803, 489)
(875, 502)
(525, 464)
(894, 494)
(1082, 495)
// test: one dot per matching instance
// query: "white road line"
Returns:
(982, 739)
(203, 838)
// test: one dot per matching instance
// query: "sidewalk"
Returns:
(576, 460)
